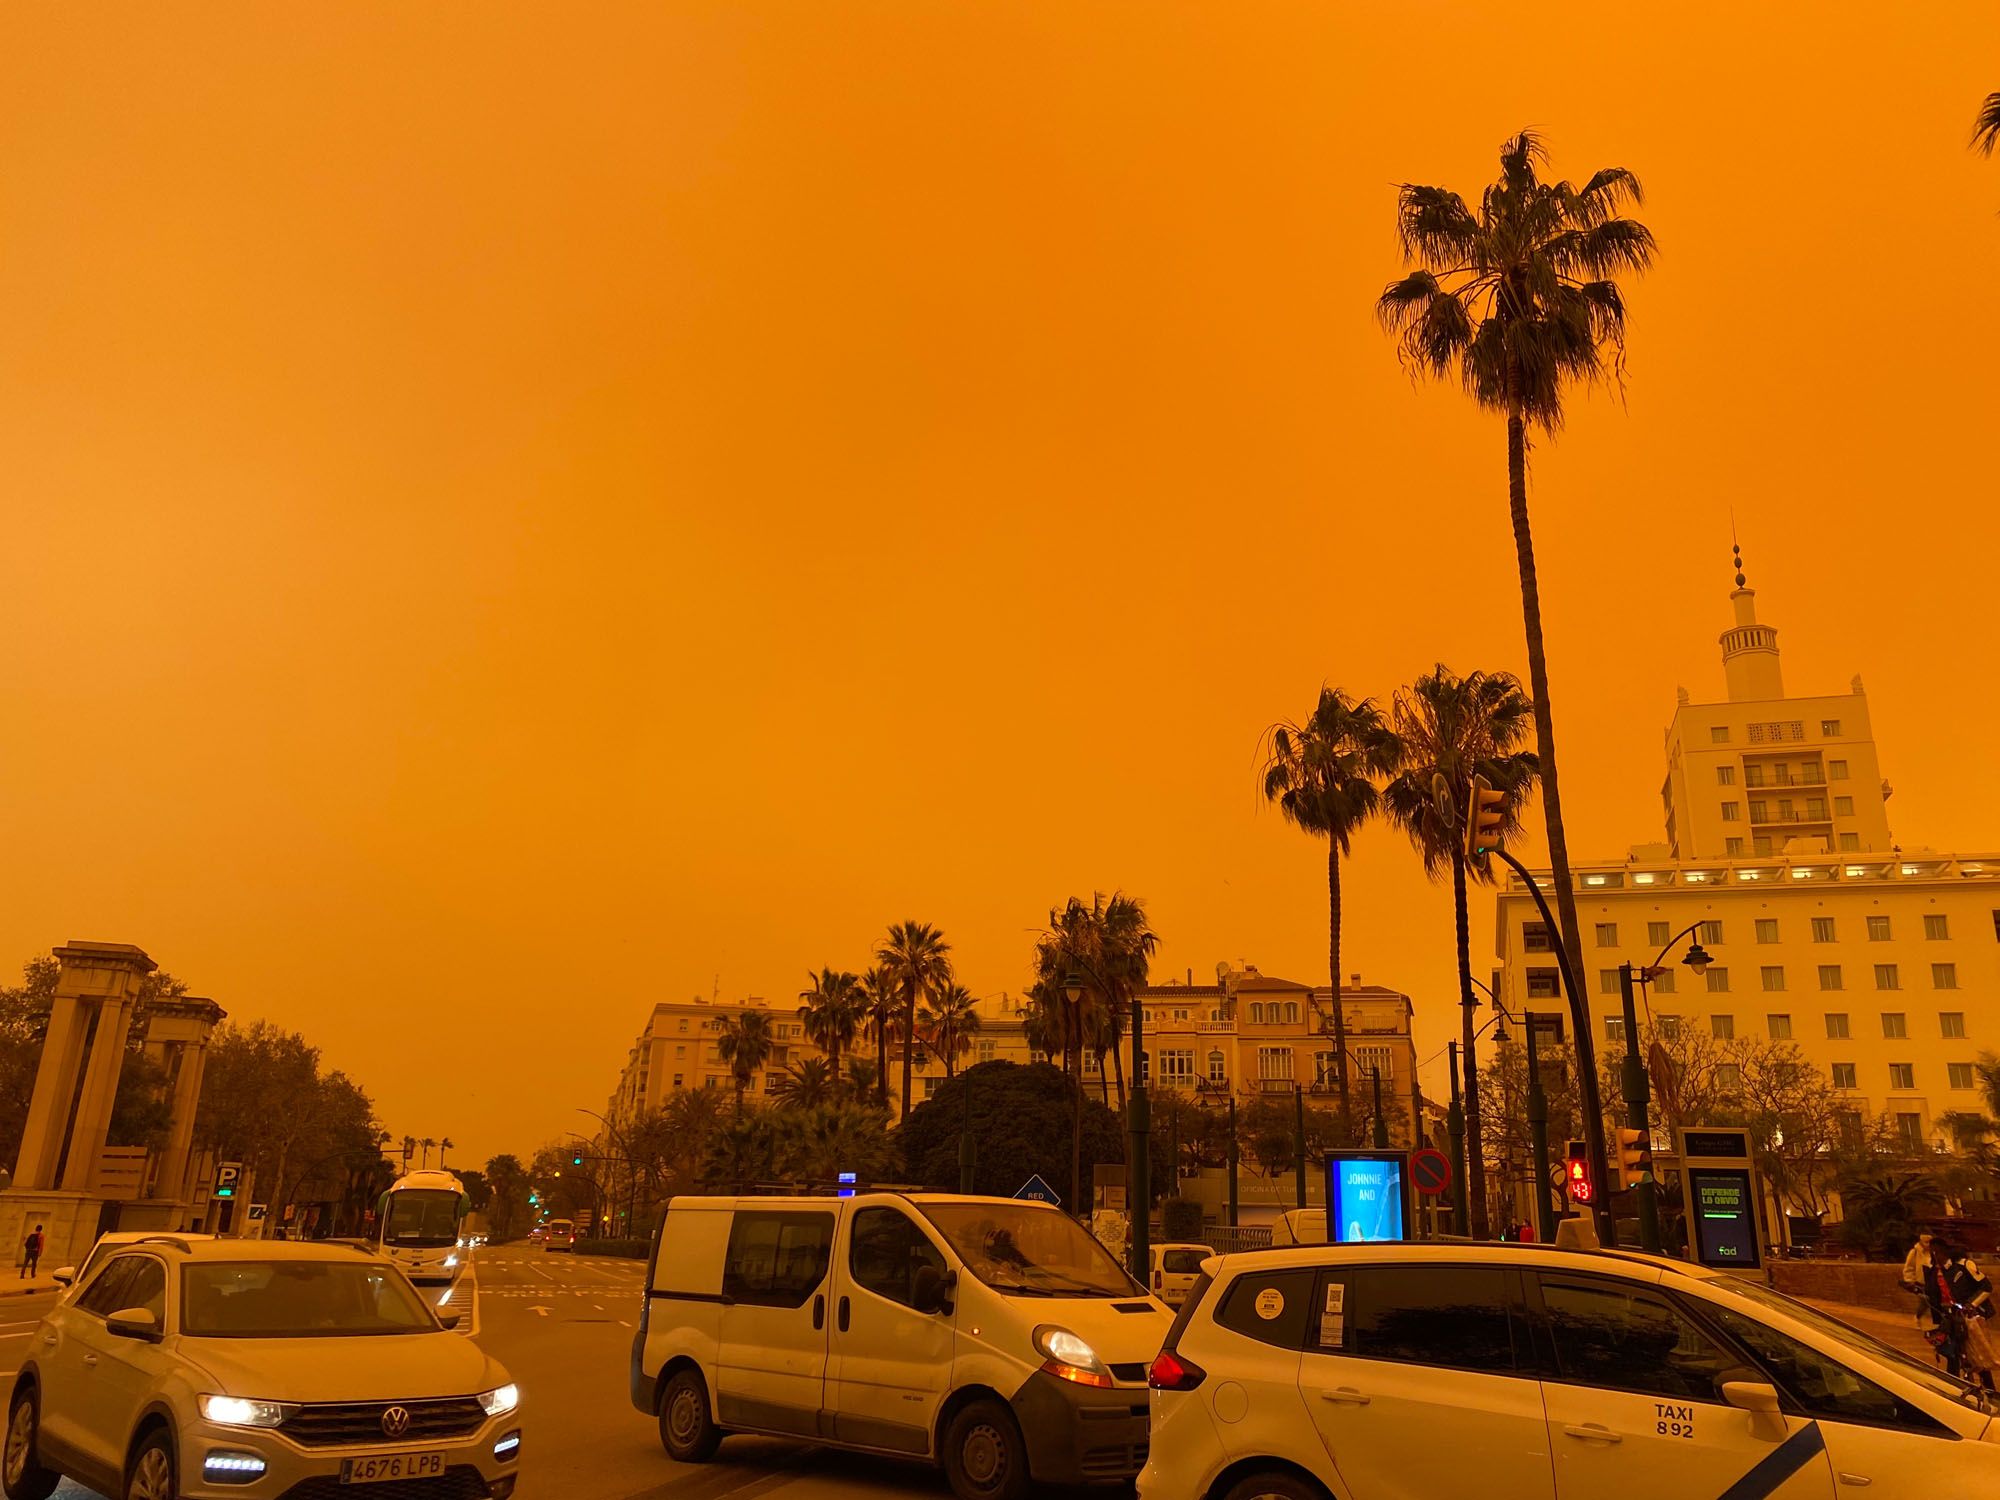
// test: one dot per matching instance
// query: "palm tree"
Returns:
(950, 1019)
(1519, 301)
(917, 955)
(860, 1080)
(1450, 730)
(443, 1146)
(1987, 1070)
(880, 990)
(745, 1044)
(1321, 773)
(409, 1150)
(831, 1010)
(427, 1143)
(807, 1083)
(1986, 129)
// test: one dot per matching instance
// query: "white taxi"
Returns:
(211, 1368)
(1400, 1372)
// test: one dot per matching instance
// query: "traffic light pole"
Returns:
(1637, 1101)
(1454, 1124)
(1538, 1136)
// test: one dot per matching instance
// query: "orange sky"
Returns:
(513, 515)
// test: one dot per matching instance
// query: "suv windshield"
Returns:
(298, 1299)
(422, 1217)
(1028, 1251)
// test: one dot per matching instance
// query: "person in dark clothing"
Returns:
(31, 1252)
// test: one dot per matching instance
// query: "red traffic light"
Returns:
(1580, 1189)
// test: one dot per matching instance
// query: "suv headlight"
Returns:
(236, 1411)
(498, 1403)
(1068, 1357)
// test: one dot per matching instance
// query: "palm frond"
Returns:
(1986, 129)
(1433, 224)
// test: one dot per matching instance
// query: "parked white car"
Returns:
(992, 1336)
(1176, 1268)
(1365, 1371)
(211, 1368)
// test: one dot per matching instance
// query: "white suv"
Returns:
(212, 1368)
(1391, 1372)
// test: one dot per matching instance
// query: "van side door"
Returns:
(771, 1368)
(891, 1364)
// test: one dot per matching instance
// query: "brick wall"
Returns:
(1855, 1282)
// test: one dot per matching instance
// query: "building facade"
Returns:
(677, 1051)
(1882, 964)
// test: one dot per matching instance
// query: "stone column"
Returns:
(183, 1025)
(110, 973)
(55, 1090)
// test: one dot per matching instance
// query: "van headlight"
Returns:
(498, 1403)
(1068, 1357)
(236, 1411)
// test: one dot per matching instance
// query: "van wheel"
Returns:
(23, 1474)
(1274, 1485)
(984, 1457)
(687, 1431)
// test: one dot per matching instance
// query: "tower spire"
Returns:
(1749, 650)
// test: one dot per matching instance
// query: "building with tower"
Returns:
(1882, 963)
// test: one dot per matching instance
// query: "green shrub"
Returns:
(1180, 1219)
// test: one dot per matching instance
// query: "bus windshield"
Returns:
(421, 1218)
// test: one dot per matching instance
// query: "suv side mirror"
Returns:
(134, 1323)
(450, 1320)
(931, 1290)
(66, 1276)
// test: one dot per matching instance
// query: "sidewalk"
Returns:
(20, 1286)
(1897, 1330)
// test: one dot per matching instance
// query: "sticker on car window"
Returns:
(1270, 1304)
(1332, 1317)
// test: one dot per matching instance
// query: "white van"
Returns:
(992, 1336)
(1299, 1226)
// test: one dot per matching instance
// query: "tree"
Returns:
(1987, 1070)
(918, 959)
(831, 1011)
(1986, 129)
(880, 991)
(799, 1146)
(1322, 775)
(1449, 731)
(429, 1143)
(507, 1208)
(949, 1021)
(444, 1144)
(1108, 944)
(1793, 1115)
(807, 1083)
(1882, 1208)
(1519, 301)
(745, 1044)
(1020, 1118)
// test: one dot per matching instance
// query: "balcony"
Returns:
(1773, 818)
(1275, 1085)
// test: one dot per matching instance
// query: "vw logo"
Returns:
(395, 1421)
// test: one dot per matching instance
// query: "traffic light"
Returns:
(1635, 1160)
(576, 1159)
(1485, 820)
(1580, 1190)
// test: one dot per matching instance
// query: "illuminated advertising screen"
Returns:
(1367, 1197)
(1722, 1218)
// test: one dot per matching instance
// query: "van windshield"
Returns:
(1029, 1252)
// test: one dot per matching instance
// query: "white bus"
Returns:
(420, 1225)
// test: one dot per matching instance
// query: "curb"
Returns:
(28, 1291)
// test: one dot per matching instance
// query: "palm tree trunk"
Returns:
(1103, 1079)
(882, 1055)
(1588, 1099)
(1339, 1011)
(1118, 1067)
(1475, 1161)
(909, 1048)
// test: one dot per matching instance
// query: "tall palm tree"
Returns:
(1986, 129)
(1450, 730)
(807, 1083)
(1322, 775)
(860, 1080)
(880, 993)
(443, 1146)
(745, 1044)
(831, 1011)
(949, 1021)
(1519, 301)
(427, 1143)
(919, 958)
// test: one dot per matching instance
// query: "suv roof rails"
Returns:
(174, 1240)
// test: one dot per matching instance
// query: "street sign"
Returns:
(583, 1216)
(1039, 1191)
(1430, 1171)
(257, 1212)
(227, 1175)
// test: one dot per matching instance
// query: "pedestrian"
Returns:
(1526, 1235)
(1944, 1323)
(31, 1252)
(1972, 1291)
(1916, 1263)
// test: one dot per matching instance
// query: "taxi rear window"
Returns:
(1269, 1306)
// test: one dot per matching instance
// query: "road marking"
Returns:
(539, 1311)
(31, 1323)
(599, 1306)
(623, 1324)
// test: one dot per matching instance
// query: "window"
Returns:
(1836, 770)
(1718, 980)
(1753, 775)
(1218, 1068)
(1902, 1075)
(1815, 809)
(1894, 1025)
(1819, 1383)
(1836, 1026)
(1722, 1028)
(933, 1083)
(1944, 976)
(1718, 734)
(1535, 938)
(1607, 934)
(1711, 932)
(1323, 1068)
(1664, 983)
(677, 1079)
(1607, 982)
(985, 1050)
(684, 1024)
(776, 1259)
(1780, 1027)
(1951, 1023)
(1732, 812)
(1656, 934)
(1830, 728)
(1850, 842)
(1958, 1075)
(1772, 975)
(1274, 1063)
(1542, 984)
(1257, 1011)
(1177, 1068)
(1453, 1317)
(1669, 1026)
(1725, 776)
(1250, 1298)
(1629, 1338)
(1843, 1075)
(146, 1287)
(1937, 927)
(886, 1251)
(1830, 977)
(1728, 1077)
(1887, 977)
(1910, 1131)
(771, 1081)
(1614, 1029)
(1822, 929)
(1878, 929)
(1291, 1010)
(105, 1295)
(1759, 811)
(1767, 929)
(1843, 807)
(1732, 847)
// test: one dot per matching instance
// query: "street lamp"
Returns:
(1538, 1111)
(1072, 990)
(1637, 1091)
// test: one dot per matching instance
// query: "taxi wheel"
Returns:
(687, 1432)
(1273, 1485)
(151, 1476)
(26, 1479)
(984, 1457)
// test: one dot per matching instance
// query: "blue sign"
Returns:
(1367, 1197)
(1039, 1191)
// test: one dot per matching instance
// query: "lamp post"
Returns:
(1233, 1159)
(1637, 1091)
(1299, 1126)
(1538, 1110)
(1455, 1127)
(1139, 1177)
(1381, 1134)
(1073, 1038)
